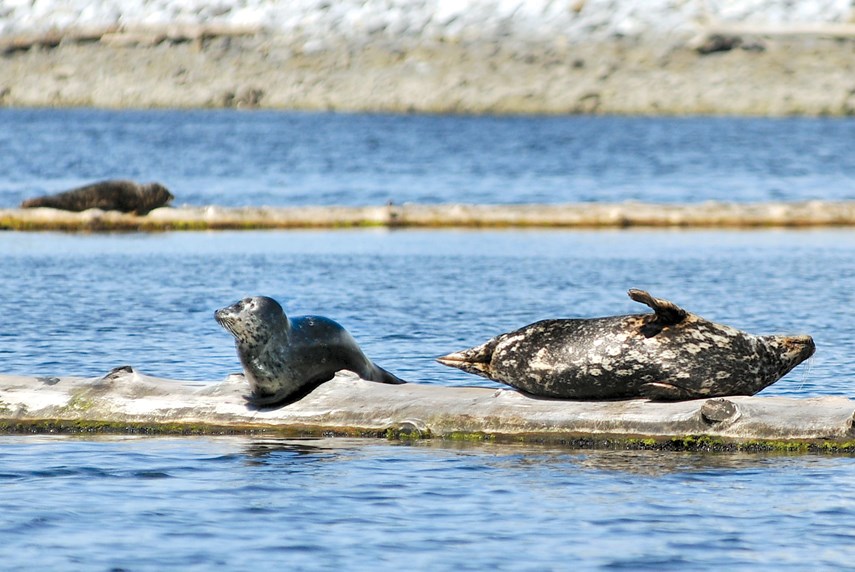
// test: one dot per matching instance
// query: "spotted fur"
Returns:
(668, 355)
(284, 358)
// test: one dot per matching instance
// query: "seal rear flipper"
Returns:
(383, 376)
(474, 360)
(658, 391)
(667, 313)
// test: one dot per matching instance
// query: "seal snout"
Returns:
(801, 346)
(226, 318)
(790, 351)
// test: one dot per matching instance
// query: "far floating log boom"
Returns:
(580, 215)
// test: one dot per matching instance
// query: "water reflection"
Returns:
(482, 456)
(271, 451)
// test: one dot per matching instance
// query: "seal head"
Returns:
(284, 359)
(671, 354)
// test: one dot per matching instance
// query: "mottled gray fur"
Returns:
(668, 355)
(284, 358)
(112, 195)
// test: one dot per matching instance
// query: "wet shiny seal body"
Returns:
(671, 354)
(284, 358)
(112, 195)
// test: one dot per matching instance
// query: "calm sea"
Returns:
(82, 304)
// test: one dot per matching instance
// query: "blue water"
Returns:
(82, 304)
(337, 504)
(269, 158)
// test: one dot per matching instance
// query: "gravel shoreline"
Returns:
(800, 75)
(648, 57)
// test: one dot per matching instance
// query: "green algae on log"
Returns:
(580, 215)
(128, 401)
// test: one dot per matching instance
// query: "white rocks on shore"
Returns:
(325, 20)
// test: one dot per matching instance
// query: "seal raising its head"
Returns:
(283, 358)
(668, 355)
(112, 195)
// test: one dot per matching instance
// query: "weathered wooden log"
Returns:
(583, 215)
(117, 35)
(835, 30)
(53, 37)
(125, 400)
(724, 36)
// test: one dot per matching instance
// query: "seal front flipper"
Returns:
(667, 313)
(658, 391)
(285, 396)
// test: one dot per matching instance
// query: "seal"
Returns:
(284, 359)
(112, 195)
(668, 355)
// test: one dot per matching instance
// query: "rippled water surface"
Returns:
(268, 158)
(138, 504)
(82, 304)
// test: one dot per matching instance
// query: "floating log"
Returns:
(118, 35)
(834, 30)
(579, 215)
(722, 36)
(51, 38)
(175, 33)
(127, 401)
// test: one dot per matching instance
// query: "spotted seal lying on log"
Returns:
(284, 359)
(112, 195)
(668, 355)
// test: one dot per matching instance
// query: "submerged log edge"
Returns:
(126, 401)
(572, 215)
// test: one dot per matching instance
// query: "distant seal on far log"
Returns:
(668, 355)
(112, 195)
(284, 359)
